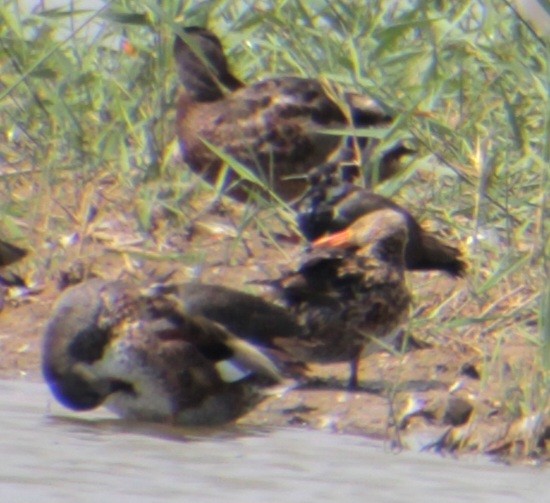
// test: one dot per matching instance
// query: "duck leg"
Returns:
(353, 382)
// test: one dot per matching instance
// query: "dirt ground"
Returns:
(457, 387)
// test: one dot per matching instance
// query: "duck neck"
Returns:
(201, 86)
(185, 104)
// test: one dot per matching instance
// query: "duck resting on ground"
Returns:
(139, 353)
(273, 127)
(349, 293)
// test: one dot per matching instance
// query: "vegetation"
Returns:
(81, 109)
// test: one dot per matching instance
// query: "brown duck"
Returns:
(332, 205)
(273, 127)
(10, 253)
(349, 293)
(142, 355)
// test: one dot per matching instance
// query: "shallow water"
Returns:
(55, 455)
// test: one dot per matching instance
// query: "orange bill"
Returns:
(340, 239)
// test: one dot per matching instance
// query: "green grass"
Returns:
(467, 81)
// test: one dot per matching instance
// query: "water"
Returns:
(57, 455)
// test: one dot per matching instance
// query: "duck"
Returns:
(138, 352)
(334, 203)
(348, 291)
(274, 127)
(9, 253)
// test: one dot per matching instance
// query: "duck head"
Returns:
(382, 234)
(73, 341)
(202, 65)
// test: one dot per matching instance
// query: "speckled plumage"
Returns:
(350, 293)
(272, 127)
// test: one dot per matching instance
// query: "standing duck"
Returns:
(143, 356)
(349, 293)
(273, 127)
(331, 205)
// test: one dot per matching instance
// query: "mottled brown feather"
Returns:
(272, 127)
(346, 297)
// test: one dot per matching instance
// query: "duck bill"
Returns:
(342, 239)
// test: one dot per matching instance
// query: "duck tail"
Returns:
(439, 255)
